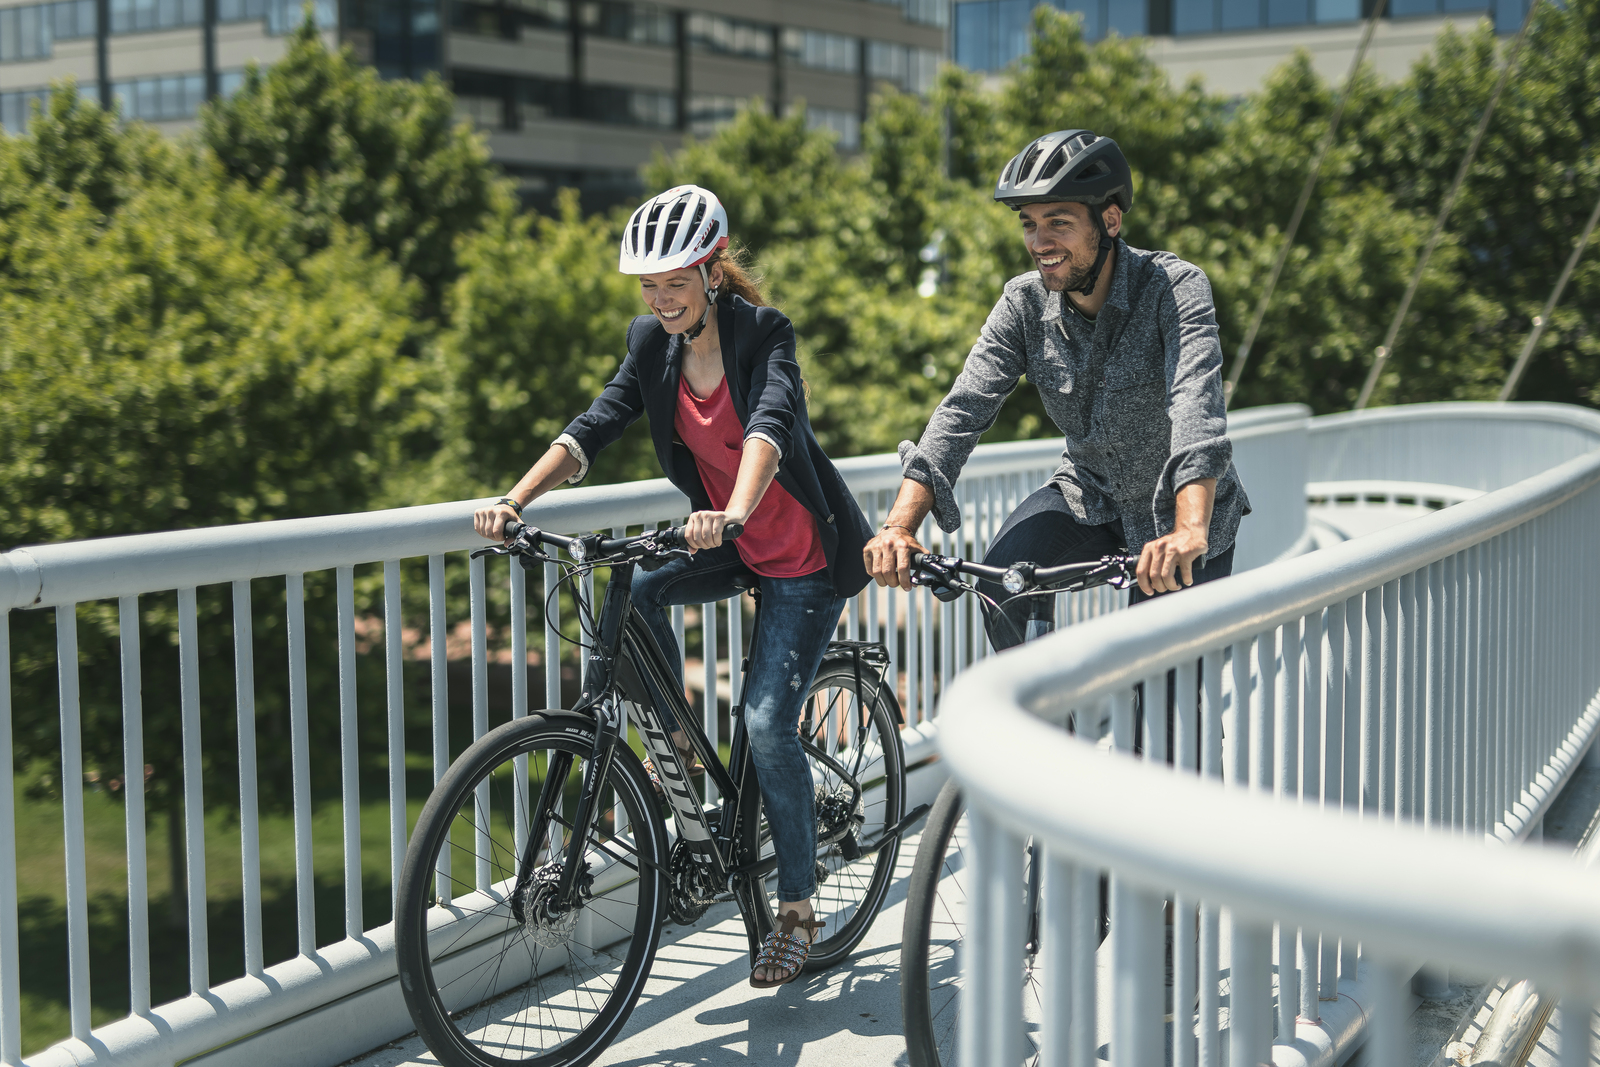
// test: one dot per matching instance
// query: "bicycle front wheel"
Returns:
(496, 975)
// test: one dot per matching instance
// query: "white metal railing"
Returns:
(340, 999)
(1389, 713)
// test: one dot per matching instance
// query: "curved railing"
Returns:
(1393, 711)
(342, 998)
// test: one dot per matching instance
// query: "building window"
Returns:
(174, 96)
(28, 32)
(932, 12)
(621, 106)
(623, 21)
(507, 20)
(486, 111)
(824, 51)
(16, 109)
(909, 69)
(713, 33)
(281, 16)
(846, 124)
(132, 16)
(709, 112)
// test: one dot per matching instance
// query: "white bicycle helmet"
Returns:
(682, 227)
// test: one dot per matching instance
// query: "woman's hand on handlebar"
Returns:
(704, 528)
(491, 521)
(888, 556)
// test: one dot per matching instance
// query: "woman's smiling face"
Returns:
(677, 297)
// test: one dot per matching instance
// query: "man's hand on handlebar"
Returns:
(1167, 563)
(491, 521)
(888, 556)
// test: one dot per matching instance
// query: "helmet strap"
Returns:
(711, 302)
(1107, 243)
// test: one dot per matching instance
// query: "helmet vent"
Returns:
(699, 214)
(1057, 160)
(711, 235)
(1093, 170)
(674, 226)
(1025, 168)
(650, 223)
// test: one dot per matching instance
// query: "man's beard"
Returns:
(1075, 278)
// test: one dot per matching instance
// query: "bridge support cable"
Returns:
(1541, 320)
(1300, 206)
(1381, 355)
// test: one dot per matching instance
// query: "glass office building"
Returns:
(990, 34)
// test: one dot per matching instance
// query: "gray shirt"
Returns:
(1137, 393)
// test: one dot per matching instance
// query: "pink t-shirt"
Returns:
(780, 538)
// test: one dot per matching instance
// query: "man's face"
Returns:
(1063, 241)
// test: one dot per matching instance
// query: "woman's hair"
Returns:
(737, 275)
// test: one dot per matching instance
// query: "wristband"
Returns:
(897, 526)
(512, 504)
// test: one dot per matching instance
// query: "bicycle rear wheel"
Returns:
(490, 980)
(850, 886)
(931, 943)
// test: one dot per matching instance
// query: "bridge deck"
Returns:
(698, 1008)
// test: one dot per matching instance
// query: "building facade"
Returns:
(570, 92)
(1231, 45)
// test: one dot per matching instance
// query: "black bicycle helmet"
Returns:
(1072, 165)
(1067, 165)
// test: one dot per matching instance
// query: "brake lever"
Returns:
(492, 550)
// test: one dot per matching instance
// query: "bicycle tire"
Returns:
(507, 997)
(929, 982)
(850, 892)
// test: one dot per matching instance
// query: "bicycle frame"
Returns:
(625, 669)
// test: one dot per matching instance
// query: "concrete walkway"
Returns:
(698, 1009)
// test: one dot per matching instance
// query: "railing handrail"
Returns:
(1057, 674)
(1441, 896)
(1453, 410)
(1444, 898)
(41, 576)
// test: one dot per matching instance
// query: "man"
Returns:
(1122, 345)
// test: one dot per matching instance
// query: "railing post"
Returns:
(249, 817)
(992, 1032)
(1137, 1038)
(394, 671)
(194, 802)
(10, 949)
(300, 761)
(1250, 999)
(349, 752)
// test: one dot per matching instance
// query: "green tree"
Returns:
(346, 148)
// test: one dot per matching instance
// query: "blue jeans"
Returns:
(798, 619)
(1043, 531)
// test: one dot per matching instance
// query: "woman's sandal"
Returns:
(784, 950)
(691, 765)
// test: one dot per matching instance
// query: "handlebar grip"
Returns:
(732, 531)
(512, 529)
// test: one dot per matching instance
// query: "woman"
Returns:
(715, 371)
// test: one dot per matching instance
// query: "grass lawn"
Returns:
(41, 891)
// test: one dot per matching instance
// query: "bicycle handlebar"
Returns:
(597, 547)
(937, 573)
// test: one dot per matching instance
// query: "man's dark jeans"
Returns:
(798, 619)
(1043, 531)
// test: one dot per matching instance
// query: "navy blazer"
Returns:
(758, 358)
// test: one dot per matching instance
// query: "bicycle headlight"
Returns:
(578, 550)
(1012, 581)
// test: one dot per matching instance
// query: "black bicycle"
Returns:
(936, 898)
(543, 865)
